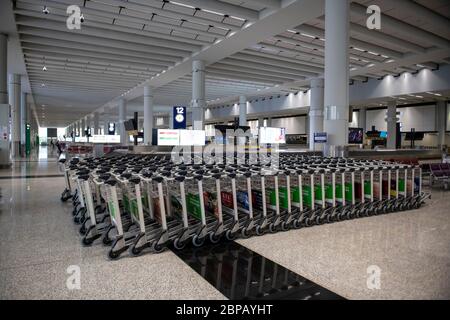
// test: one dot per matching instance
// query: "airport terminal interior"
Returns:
(225, 149)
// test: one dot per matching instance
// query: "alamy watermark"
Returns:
(75, 17)
(73, 281)
(374, 277)
(373, 22)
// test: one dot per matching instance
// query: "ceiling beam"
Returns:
(92, 54)
(27, 39)
(91, 40)
(403, 28)
(292, 13)
(320, 33)
(135, 37)
(223, 8)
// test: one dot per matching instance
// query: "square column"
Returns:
(122, 118)
(391, 121)
(14, 101)
(242, 111)
(315, 115)
(148, 115)
(198, 102)
(336, 76)
(441, 122)
(96, 125)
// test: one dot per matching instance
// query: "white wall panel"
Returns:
(293, 125)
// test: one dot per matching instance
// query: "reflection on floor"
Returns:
(240, 273)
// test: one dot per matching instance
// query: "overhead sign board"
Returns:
(179, 117)
(320, 137)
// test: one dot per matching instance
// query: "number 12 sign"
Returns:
(179, 117)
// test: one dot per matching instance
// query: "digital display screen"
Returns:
(99, 138)
(52, 132)
(383, 134)
(272, 135)
(168, 137)
(355, 135)
(111, 128)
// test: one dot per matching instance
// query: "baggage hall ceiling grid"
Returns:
(122, 44)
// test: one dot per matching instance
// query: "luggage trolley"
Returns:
(155, 227)
(67, 193)
(228, 195)
(95, 229)
(288, 190)
(317, 195)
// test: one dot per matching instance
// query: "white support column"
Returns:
(441, 122)
(198, 102)
(23, 121)
(122, 118)
(83, 127)
(315, 115)
(336, 75)
(391, 120)
(362, 119)
(269, 122)
(3, 69)
(14, 101)
(148, 115)
(242, 111)
(4, 107)
(261, 122)
(96, 124)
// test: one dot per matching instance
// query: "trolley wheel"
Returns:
(284, 226)
(318, 220)
(197, 241)
(113, 255)
(106, 239)
(158, 248)
(179, 245)
(246, 233)
(229, 236)
(272, 228)
(214, 238)
(308, 222)
(82, 229)
(297, 224)
(87, 241)
(136, 251)
(259, 231)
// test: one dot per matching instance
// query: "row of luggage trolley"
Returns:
(140, 203)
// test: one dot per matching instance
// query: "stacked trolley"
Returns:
(145, 203)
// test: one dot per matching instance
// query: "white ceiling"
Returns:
(122, 44)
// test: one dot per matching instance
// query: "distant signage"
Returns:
(97, 138)
(167, 137)
(272, 135)
(320, 137)
(111, 128)
(179, 117)
(172, 137)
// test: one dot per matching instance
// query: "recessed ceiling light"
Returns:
(45, 10)
(43, 85)
(44, 68)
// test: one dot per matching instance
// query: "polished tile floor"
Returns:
(38, 243)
